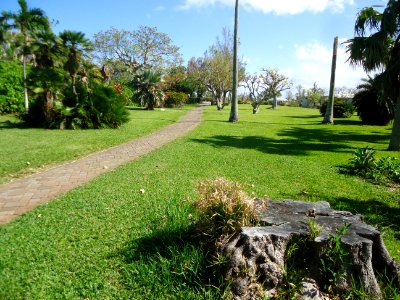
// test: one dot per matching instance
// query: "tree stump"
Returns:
(258, 256)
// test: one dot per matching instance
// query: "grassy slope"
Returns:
(39, 147)
(107, 240)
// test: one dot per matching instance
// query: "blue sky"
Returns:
(295, 36)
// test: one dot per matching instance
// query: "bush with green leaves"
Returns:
(98, 106)
(363, 161)
(373, 107)
(364, 164)
(341, 108)
(175, 99)
(11, 88)
(125, 91)
(293, 103)
(389, 167)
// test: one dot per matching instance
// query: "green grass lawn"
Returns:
(107, 240)
(25, 150)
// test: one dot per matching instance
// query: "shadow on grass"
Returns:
(135, 108)
(321, 135)
(348, 122)
(296, 141)
(375, 212)
(169, 256)
(12, 125)
(315, 117)
(319, 119)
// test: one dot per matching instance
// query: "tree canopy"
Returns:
(215, 69)
(275, 84)
(376, 46)
(132, 51)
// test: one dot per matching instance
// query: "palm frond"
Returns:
(367, 18)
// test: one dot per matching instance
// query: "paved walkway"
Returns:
(26, 193)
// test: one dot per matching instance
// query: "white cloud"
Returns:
(279, 7)
(314, 65)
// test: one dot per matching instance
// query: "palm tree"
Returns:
(147, 88)
(328, 119)
(371, 104)
(234, 105)
(376, 46)
(27, 21)
(46, 78)
(75, 44)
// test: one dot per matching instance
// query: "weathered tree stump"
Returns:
(257, 255)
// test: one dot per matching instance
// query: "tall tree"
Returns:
(75, 44)
(300, 93)
(216, 69)
(130, 51)
(314, 96)
(328, 119)
(194, 73)
(147, 86)
(275, 84)
(234, 117)
(46, 77)
(26, 21)
(254, 85)
(376, 46)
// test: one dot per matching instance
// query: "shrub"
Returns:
(11, 88)
(125, 91)
(98, 106)
(341, 109)
(370, 111)
(372, 106)
(224, 207)
(363, 160)
(386, 169)
(293, 103)
(175, 99)
(389, 167)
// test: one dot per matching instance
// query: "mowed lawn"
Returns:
(24, 151)
(108, 240)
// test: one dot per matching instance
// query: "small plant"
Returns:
(296, 266)
(315, 229)
(389, 167)
(224, 207)
(363, 160)
(364, 164)
(332, 264)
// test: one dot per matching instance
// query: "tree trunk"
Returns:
(220, 104)
(74, 87)
(328, 119)
(256, 106)
(49, 112)
(219, 99)
(302, 238)
(234, 117)
(394, 144)
(275, 103)
(26, 99)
